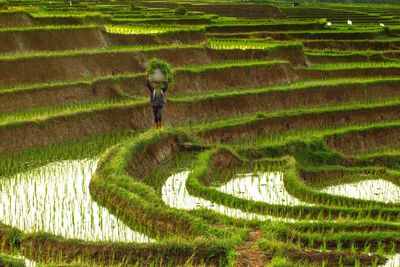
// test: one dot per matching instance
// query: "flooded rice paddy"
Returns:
(55, 198)
(264, 187)
(376, 190)
(175, 194)
(393, 261)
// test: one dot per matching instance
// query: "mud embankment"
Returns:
(41, 69)
(54, 96)
(242, 10)
(16, 19)
(16, 41)
(227, 78)
(303, 122)
(326, 59)
(285, 36)
(357, 141)
(317, 74)
(139, 117)
(351, 45)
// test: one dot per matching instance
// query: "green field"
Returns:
(280, 143)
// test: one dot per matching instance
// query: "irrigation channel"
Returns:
(55, 198)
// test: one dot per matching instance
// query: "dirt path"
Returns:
(248, 255)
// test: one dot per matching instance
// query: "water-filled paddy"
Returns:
(393, 261)
(175, 194)
(264, 187)
(376, 190)
(55, 198)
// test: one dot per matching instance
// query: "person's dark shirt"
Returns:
(152, 91)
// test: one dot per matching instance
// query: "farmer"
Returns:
(157, 98)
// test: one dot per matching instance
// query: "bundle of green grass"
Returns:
(160, 71)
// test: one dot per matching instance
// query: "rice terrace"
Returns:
(200, 133)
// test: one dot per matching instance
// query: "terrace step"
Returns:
(352, 45)
(243, 10)
(201, 79)
(250, 100)
(334, 56)
(349, 70)
(320, 35)
(15, 19)
(136, 116)
(235, 28)
(81, 38)
(65, 66)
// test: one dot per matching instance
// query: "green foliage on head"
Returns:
(164, 67)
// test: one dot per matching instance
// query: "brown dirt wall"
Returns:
(186, 82)
(56, 130)
(55, 96)
(365, 140)
(51, 40)
(14, 19)
(317, 59)
(299, 122)
(153, 155)
(351, 45)
(254, 11)
(46, 69)
(360, 73)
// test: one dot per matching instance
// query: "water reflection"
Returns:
(376, 190)
(266, 187)
(55, 198)
(393, 261)
(175, 194)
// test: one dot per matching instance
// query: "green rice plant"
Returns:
(155, 65)
(121, 29)
(11, 261)
(47, 28)
(216, 43)
(184, 157)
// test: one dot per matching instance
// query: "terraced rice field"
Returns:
(280, 146)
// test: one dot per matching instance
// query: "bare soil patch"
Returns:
(16, 19)
(86, 38)
(54, 96)
(365, 140)
(247, 255)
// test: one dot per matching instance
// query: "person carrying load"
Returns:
(158, 80)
